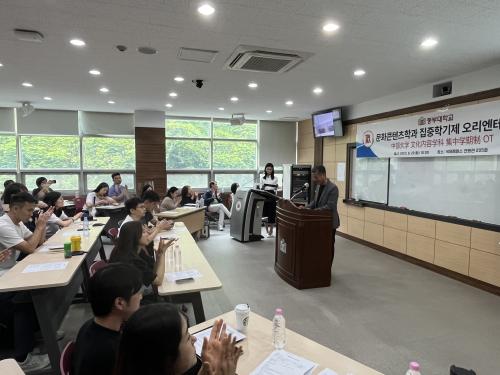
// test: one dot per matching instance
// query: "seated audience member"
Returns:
(213, 202)
(98, 197)
(130, 249)
(115, 293)
(146, 188)
(135, 211)
(14, 188)
(118, 192)
(156, 340)
(188, 196)
(234, 187)
(59, 219)
(16, 308)
(151, 201)
(10, 190)
(5, 184)
(152, 227)
(171, 200)
(42, 188)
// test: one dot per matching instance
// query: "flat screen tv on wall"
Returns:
(328, 123)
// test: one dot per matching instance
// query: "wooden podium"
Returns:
(303, 246)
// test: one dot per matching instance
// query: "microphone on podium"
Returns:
(303, 187)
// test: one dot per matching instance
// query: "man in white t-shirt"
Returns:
(135, 211)
(16, 308)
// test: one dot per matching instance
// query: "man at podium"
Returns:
(325, 198)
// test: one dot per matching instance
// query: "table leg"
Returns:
(49, 331)
(102, 253)
(193, 298)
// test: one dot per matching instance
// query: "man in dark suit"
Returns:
(325, 198)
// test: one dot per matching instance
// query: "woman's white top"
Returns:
(52, 226)
(269, 184)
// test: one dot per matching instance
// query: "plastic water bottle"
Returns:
(170, 257)
(279, 338)
(413, 369)
(85, 226)
(202, 202)
(177, 257)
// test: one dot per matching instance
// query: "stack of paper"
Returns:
(45, 267)
(281, 362)
(206, 333)
(174, 276)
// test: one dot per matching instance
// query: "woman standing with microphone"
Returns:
(269, 183)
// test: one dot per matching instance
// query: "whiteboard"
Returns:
(464, 187)
(369, 178)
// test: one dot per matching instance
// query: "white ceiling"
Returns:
(381, 36)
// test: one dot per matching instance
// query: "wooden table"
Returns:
(192, 257)
(53, 291)
(258, 345)
(10, 367)
(115, 212)
(192, 217)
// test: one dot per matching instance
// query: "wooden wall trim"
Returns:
(150, 161)
(443, 271)
(463, 99)
(318, 151)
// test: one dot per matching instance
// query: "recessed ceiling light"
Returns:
(206, 9)
(359, 73)
(1, 65)
(168, 105)
(104, 89)
(253, 85)
(77, 42)
(234, 99)
(269, 111)
(317, 90)
(179, 79)
(173, 94)
(220, 108)
(27, 84)
(289, 102)
(95, 72)
(428, 43)
(330, 27)
(47, 98)
(111, 102)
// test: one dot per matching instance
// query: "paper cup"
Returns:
(242, 312)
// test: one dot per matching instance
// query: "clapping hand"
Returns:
(4, 255)
(220, 351)
(164, 245)
(165, 224)
(44, 217)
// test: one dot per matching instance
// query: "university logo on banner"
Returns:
(464, 131)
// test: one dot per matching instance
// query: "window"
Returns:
(8, 155)
(200, 150)
(50, 152)
(195, 180)
(108, 153)
(228, 131)
(188, 154)
(94, 179)
(245, 180)
(64, 182)
(235, 155)
(188, 128)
